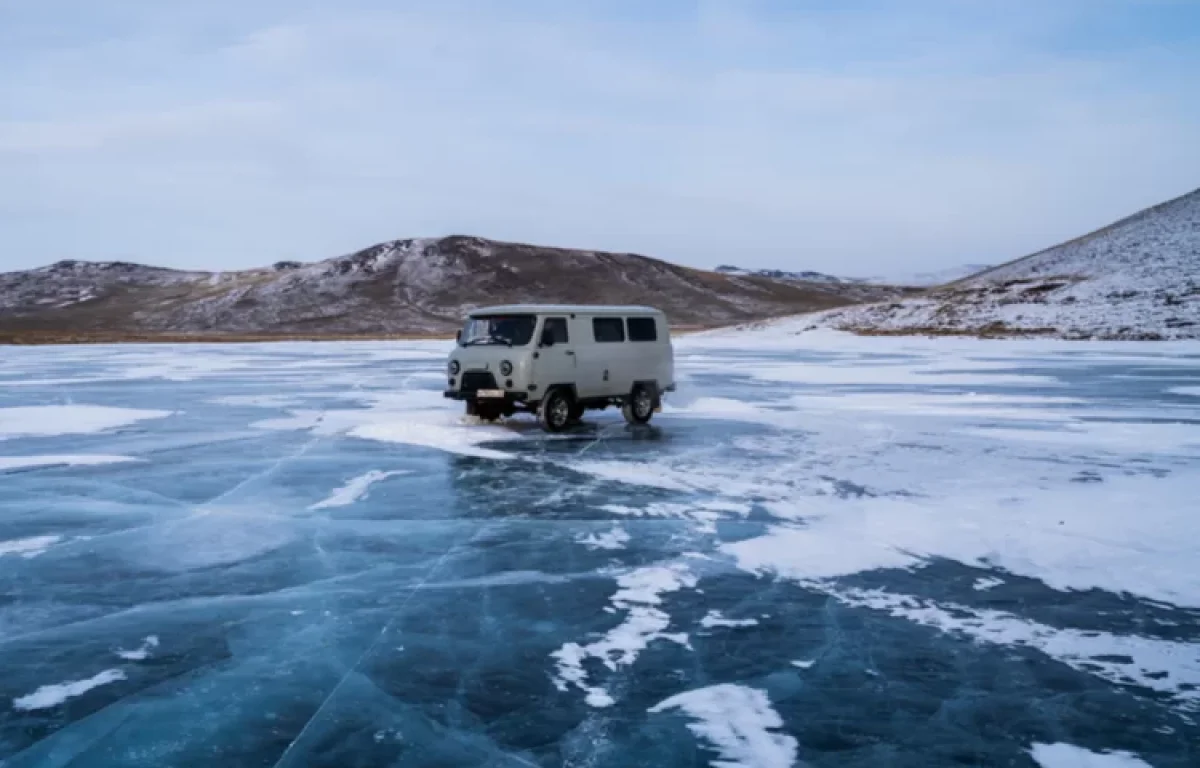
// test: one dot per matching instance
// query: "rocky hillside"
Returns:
(1136, 279)
(399, 287)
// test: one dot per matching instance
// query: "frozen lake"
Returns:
(826, 551)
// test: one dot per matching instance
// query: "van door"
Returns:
(555, 364)
(602, 366)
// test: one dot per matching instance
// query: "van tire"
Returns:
(554, 412)
(638, 408)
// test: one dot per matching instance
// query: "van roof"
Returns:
(581, 309)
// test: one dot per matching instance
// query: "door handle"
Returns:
(569, 352)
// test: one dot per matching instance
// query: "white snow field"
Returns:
(1136, 278)
(827, 550)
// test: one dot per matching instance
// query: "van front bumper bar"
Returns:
(458, 394)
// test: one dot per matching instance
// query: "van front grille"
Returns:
(473, 381)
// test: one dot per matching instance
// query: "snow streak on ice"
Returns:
(740, 724)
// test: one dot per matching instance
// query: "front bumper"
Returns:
(461, 394)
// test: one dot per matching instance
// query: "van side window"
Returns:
(608, 329)
(642, 329)
(557, 328)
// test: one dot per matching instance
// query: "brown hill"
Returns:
(401, 287)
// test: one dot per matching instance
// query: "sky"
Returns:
(856, 137)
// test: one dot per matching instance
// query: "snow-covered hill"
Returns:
(403, 286)
(1138, 278)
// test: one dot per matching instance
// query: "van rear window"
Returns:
(608, 329)
(642, 329)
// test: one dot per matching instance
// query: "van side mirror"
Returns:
(547, 338)
(458, 336)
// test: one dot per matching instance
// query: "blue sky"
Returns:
(863, 137)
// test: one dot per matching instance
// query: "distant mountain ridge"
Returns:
(781, 274)
(413, 286)
(1137, 278)
(917, 279)
(932, 278)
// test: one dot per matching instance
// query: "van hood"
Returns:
(487, 356)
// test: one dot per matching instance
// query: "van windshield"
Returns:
(512, 330)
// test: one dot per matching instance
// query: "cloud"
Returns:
(104, 131)
(865, 138)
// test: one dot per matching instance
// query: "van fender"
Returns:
(652, 385)
(570, 389)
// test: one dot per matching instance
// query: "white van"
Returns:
(558, 361)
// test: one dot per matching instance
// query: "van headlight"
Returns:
(454, 367)
(505, 368)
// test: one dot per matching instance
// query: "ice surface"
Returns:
(849, 551)
(739, 722)
(1068, 756)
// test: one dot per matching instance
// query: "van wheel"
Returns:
(554, 414)
(639, 407)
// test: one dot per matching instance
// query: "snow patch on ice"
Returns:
(716, 619)
(816, 553)
(141, 653)
(1075, 536)
(928, 374)
(986, 583)
(616, 538)
(28, 547)
(256, 401)
(640, 594)
(1168, 667)
(1069, 756)
(355, 489)
(49, 420)
(805, 664)
(1192, 391)
(409, 418)
(74, 460)
(739, 722)
(449, 435)
(1105, 436)
(704, 513)
(49, 696)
